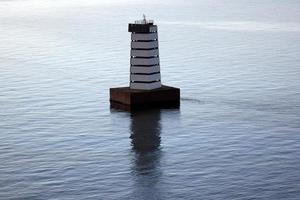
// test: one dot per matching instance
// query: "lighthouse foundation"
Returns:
(132, 99)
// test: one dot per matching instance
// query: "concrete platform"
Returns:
(130, 99)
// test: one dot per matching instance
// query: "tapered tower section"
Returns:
(144, 55)
(145, 89)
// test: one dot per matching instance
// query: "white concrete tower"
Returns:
(144, 55)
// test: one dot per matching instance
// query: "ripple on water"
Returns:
(235, 135)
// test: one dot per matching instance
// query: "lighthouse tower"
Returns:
(144, 55)
(145, 89)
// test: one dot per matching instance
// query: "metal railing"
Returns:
(144, 21)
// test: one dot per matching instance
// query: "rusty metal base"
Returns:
(128, 99)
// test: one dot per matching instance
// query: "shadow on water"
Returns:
(145, 140)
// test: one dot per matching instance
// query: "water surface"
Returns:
(235, 136)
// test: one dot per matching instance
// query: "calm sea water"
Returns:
(235, 136)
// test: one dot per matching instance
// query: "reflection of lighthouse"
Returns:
(145, 134)
(144, 61)
(145, 130)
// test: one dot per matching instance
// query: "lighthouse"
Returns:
(145, 88)
(144, 55)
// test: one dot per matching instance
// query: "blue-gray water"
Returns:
(235, 136)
